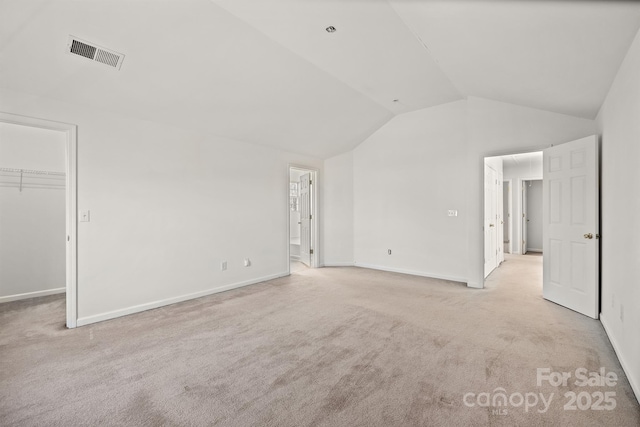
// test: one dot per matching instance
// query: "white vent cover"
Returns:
(93, 52)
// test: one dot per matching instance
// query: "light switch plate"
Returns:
(85, 216)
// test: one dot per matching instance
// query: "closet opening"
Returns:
(37, 214)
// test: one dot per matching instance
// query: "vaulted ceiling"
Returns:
(267, 71)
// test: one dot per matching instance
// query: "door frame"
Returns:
(524, 210)
(509, 207)
(315, 212)
(494, 189)
(71, 203)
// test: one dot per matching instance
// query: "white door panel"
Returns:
(305, 219)
(570, 229)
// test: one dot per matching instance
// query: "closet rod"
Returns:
(32, 171)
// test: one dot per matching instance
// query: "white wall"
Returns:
(517, 173)
(534, 214)
(338, 210)
(167, 206)
(420, 164)
(32, 222)
(620, 206)
(406, 176)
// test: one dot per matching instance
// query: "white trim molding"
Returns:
(411, 272)
(339, 264)
(35, 294)
(87, 320)
(625, 366)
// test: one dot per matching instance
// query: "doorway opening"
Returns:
(512, 207)
(303, 219)
(531, 217)
(38, 192)
(570, 214)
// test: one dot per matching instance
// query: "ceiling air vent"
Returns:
(94, 53)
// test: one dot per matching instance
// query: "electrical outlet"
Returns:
(223, 265)
(452, 212)
(247, 262)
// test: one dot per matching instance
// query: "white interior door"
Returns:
(525, 217)
(305, 219)
(490, 220)
(570, 225)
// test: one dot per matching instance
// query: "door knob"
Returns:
(588, 236)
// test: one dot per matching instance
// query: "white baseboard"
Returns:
(411, 272)
(35, 294)
(294, 257)
(634, 386)
(338, 264)
(82, 321)
(475, 285)
(534, 250)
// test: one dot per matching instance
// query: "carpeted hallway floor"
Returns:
(323, 347)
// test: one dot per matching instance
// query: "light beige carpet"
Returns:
(323, 347)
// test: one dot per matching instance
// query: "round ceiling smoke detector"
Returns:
(331, 29)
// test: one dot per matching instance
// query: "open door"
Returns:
(570, 225)
(305, 219)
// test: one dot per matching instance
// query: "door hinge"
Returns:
(311, 251)
(310, 182)
(310, 216)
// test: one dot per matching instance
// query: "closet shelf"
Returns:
(13, 177)
(32, 171)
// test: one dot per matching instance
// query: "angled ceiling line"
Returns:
(428, 51)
